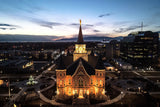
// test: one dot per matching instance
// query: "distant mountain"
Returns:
(158, 31)
(28, 38)
(38, 38)
(92, 38)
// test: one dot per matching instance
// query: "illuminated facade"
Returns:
(80, 75)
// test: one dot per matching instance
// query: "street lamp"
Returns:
(121, 94)
(1, 71)
(139, 88)
(40, 104)
(15, 105)
(11, 89)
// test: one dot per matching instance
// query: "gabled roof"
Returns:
(72, 68)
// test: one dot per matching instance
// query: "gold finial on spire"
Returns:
(80, 21)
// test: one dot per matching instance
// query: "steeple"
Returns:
(80, 36)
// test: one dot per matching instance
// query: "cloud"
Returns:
(5, 24)
(75, 24)
(8, 25)
(3, 28)
(122, 30)
(99, 23)
(103, 15)
(47, 24)
(85, 26)
(12, 28)
(96, 31)
(89, 25)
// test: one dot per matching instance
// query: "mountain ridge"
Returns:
(39, 38)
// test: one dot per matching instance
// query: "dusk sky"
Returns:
(61, 17)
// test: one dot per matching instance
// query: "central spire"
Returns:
(80, 36)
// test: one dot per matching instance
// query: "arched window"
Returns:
(60, 82)
(91, 81)
(75, 83)
(69, 92)
(80, 82)
(100, 82)
(85, 83)
(97, 82)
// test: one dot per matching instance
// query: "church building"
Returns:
(80, 74)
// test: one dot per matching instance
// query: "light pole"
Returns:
(139, 88)
(121, 94)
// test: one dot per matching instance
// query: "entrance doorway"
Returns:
(80, 93)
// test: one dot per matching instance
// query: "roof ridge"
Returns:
(89, 69)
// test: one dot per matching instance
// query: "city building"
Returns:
(109, 49)
(16, 65)
(80, 75)
(109, 67)
(115, 47)
(140, 48)
(121, 65)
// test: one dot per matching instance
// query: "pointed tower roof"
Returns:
(80, 36)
